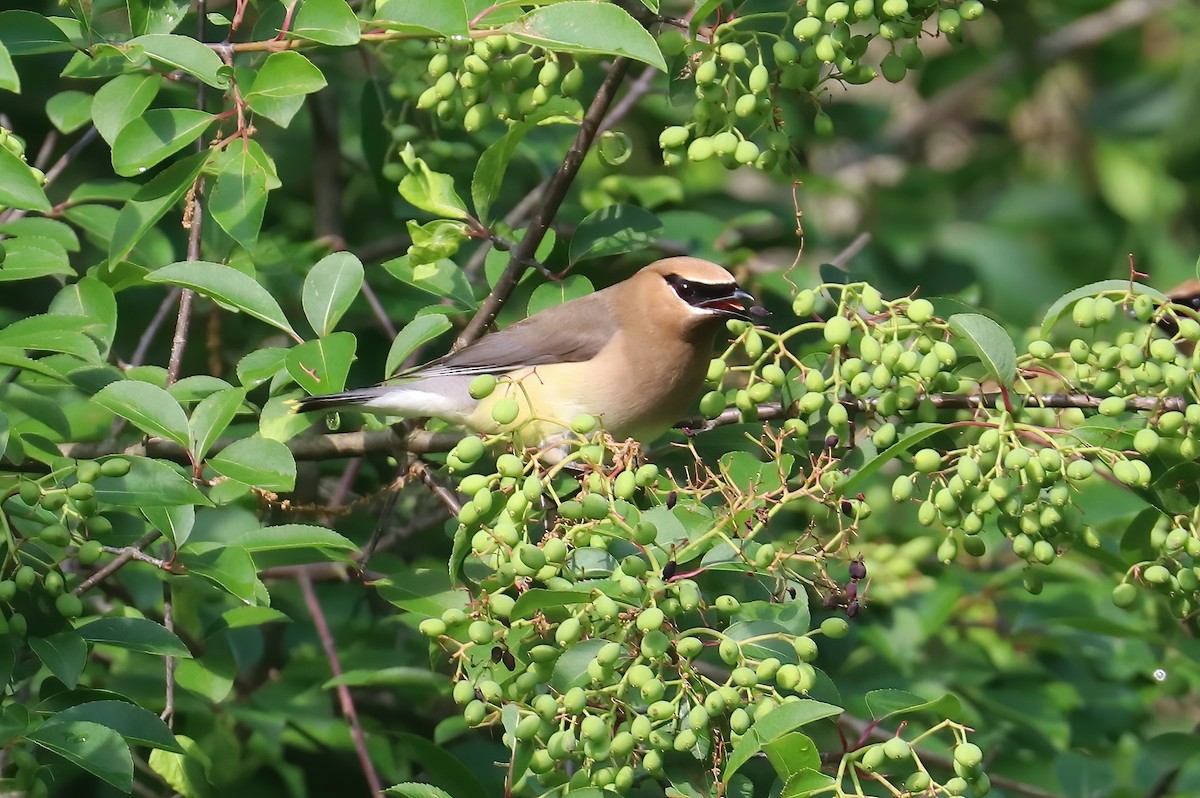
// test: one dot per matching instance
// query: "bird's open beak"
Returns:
(737, 305)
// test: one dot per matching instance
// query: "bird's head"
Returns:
(700, 288)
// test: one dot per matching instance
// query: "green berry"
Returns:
(927, 461)
(1124, 594)
(919, 311)
(835, 627)
(69, 605)
(482, 386)
(837, 330)
(505, 411)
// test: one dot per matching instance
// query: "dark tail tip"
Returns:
(331, 401)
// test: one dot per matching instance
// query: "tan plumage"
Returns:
(634, 355)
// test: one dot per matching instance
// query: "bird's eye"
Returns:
(684, 285)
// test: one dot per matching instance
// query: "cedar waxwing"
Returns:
(634, 355)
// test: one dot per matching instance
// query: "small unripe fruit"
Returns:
(837, 330)
(927, 461)
(69, 605)
(505, 411)
(1124, 594)
(919, 311)
(835, 627)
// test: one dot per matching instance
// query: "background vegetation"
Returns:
(206, 210)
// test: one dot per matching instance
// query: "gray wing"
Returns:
(568, 333)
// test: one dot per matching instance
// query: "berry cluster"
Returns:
(745, 76)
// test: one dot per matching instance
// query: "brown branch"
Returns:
(443, 494)
(345, 700)
(556, 191)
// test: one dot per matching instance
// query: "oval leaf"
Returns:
(614, 230)
(135, 634)
(184, 53)
(148, 407)
(989, 340)
(258, 462)
(321, 366)
(18, 186)
(417, 332)
(578, 26)
(227, 286)
(155, 135)
(329, 288)
(95, 748)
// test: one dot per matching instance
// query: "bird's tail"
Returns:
(338, 401)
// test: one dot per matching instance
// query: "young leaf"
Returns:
(245, 175)
(442, 278)
(148, 407)
(19, 188)
(989, 340)
(211, 416)
(329, 22)
(578, 26)
(446, 17)
(260, 365)
(121, 100)
(416, 333)
(154, 136)
(95, 748)
(258, 462)
(134, 634)
(228, 287)
(429, 190)
(321, 366)
(614, 230)
(329, 288)
(280, 85)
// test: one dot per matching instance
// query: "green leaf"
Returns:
(412, 789)
(186, 54)
(9, 79)
(95, 748)
(489, 171)
(445, 17)
(396, 676)
(227, 566)
(442, 278)
(14, 718)
(40, 227)
(889, 703)
(439, 763)
(321, 366)
(772, 726)
(149, 483)
(329, 288)
(429, 190)
(536, 599)
(151, 202)
(416, 333)
(228, 287)
(135, 724)
(805, 783)
(156, 16)
(30, 257)
(121, 100)
(146, 406)
(134, 634)
(1064, 302)
(792, 753)
(4, 430)
(211, 416)
(911, 437)
(18, 186)
(329, 22)
(570, 669)
(95, 302)
(69, 110)
(258, 462)
(280, 85)
(30, 33)
(989, 340)
(245, 175)
(175, 522)
(578, 26)
(64, 654)
(260, 365)
(548, 295)
(295, 544)
(154, 136)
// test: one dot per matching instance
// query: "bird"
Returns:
(633, 356)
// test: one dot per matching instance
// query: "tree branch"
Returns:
(556, 191)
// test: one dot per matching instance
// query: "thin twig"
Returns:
(442, 493)
(556, 191)
(345, 700)
(156, 323)
(126, 555)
